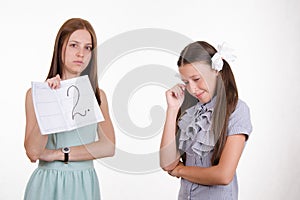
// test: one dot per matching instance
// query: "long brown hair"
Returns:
(62, 37)
(201, 51)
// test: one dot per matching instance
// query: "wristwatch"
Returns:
(66, 151)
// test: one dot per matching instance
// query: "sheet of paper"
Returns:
(72, 106)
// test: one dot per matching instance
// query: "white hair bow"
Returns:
(223, 51)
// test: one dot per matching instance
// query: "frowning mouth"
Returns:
(78, 62)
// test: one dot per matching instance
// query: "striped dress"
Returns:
(196, 140)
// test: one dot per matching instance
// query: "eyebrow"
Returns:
(193, 76)
(79, 42)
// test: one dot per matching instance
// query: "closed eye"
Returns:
(185, 82)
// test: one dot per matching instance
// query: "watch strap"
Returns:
(66, 160)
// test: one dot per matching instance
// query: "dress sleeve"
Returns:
(239, 120)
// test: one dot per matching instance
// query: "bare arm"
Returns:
(169, 155)
(220, 174)
(34, 142)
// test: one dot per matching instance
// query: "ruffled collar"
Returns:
(195, 135)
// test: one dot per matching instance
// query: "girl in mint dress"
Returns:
(65, 170)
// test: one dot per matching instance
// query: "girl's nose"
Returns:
(80, 52)
(193, 88)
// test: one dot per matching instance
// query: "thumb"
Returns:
(57, 76)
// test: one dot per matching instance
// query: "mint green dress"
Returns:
(59, 181)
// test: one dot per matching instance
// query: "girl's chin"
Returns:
(204, 98)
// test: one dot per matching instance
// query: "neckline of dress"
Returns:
(208, 105)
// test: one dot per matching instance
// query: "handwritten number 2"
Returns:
(76, 103)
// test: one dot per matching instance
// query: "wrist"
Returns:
(59, 155)
(172, 109)
(180, 171)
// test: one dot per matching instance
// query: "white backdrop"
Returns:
(264, 34)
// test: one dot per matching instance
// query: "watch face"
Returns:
(66, 150)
